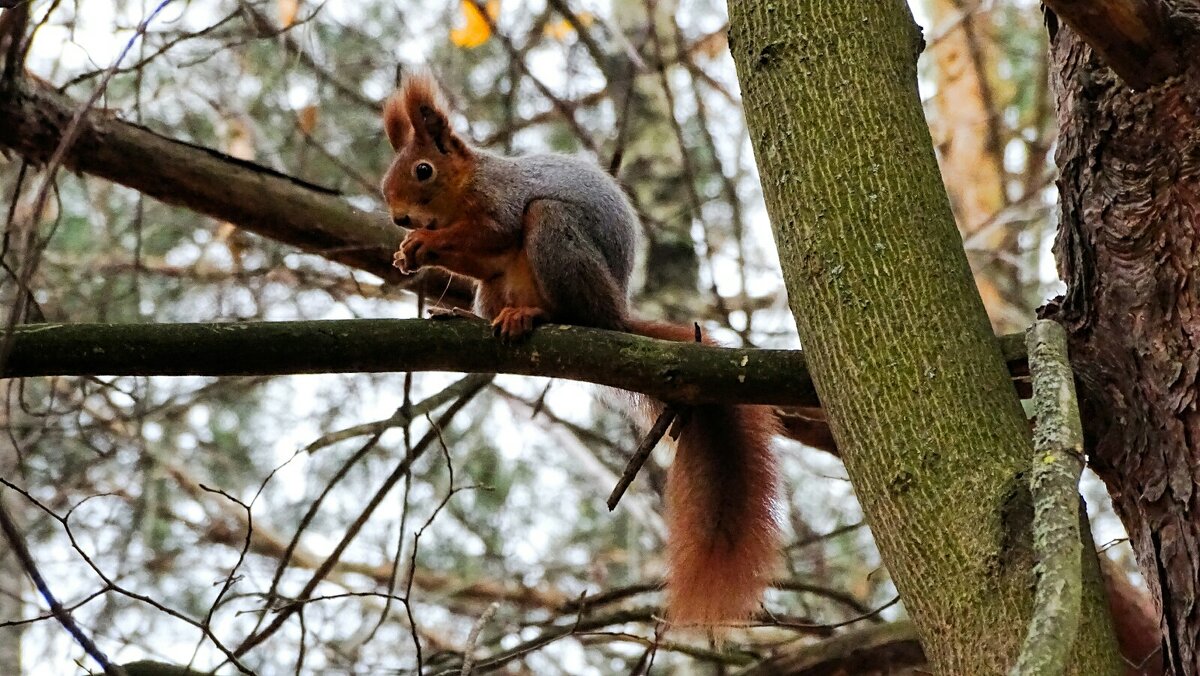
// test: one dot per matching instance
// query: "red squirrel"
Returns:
(551, 238)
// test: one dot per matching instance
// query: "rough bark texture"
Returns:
(1133, 36)
(1127, 249)
(253, 197)
(933, 437)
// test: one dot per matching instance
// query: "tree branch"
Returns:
(1054, 483)
(685, 373)
(1131, 36)
(253, 197)
(17, 543)
(880, 649)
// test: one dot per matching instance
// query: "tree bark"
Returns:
(1133, 36)
(879, 650)
(1126, 247)
(933, 438)
(686, 373)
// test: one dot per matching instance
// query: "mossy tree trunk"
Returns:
(900, 349)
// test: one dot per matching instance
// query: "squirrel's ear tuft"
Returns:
(396, 124)
(424, 106)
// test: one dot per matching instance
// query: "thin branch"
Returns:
(651, 440)
(17, 543)
(468, 666)
(402, 469)
(838, 596)
(562, 107)
(553, 633)
(592, 601)
(401, 418)
(286, 557)
(266, 28)
(451, 491)
(881, 649)
(1054, 484)
(686, 154)
(776, 621)
(65, 522)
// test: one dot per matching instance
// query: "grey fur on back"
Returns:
(510, 184)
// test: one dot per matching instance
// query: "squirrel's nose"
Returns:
(402, 221)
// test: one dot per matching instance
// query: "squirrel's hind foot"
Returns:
(514, 323)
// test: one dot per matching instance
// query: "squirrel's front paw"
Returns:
(415, 252)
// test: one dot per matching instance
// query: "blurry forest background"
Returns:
(186, 492)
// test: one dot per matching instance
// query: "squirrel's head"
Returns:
(428, 179)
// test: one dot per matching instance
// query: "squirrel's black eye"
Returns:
(423, 171)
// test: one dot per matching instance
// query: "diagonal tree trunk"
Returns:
(932, 434)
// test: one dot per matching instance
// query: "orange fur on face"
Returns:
(449, 229)
(419, 130)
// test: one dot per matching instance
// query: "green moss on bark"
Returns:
(896, 336)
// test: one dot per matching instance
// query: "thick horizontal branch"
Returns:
(679, 372)
(1131, 36)
(261, 200)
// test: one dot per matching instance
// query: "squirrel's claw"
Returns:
(414, 252)
(400, 262)
(514, 323)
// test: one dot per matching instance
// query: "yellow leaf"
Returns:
(287, 10)
(476, 29)
(561, 29)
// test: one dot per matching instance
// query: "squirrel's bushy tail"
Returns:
(723, 530)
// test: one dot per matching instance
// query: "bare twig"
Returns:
(468, 666)
(891, 648)
(399, 472)
(640, 455)
(563, 108)
(17, 543)
(695, 203)
(65, 522)
(870, 614)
